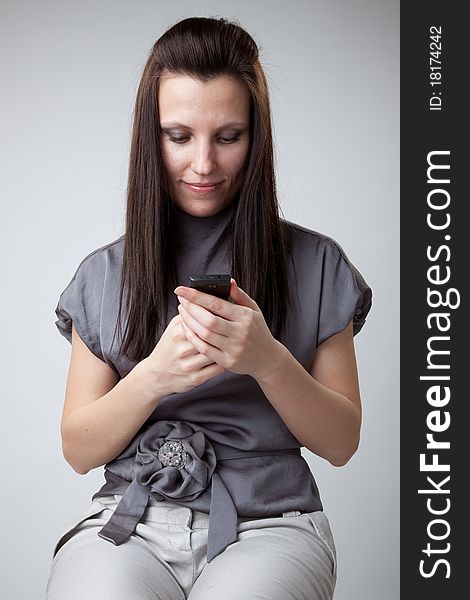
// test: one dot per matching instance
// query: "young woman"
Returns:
(197, 406)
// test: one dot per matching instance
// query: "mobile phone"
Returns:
(216, 284)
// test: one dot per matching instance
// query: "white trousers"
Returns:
(292, 557)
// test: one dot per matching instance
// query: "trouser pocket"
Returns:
(322, 528)
(97, 506)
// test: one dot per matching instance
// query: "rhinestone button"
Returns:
(173, 454)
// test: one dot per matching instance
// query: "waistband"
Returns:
(174, 461)
(169, 513)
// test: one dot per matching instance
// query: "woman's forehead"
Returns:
(182, 97)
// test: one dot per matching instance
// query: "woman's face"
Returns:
(205, 139)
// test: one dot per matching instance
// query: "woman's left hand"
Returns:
(232, 334)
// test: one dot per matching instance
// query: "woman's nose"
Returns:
(204, 159)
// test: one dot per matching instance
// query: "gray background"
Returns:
(70, 73)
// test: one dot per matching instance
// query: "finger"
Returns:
(213, 304)
(212, 370)
(203, 347)
(204, 331)
(196, 362)
(210, 320)
(240, 297)
(201, 361)
(205, 318)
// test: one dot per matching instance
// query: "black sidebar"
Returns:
(434, 258)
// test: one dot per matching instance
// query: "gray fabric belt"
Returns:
(174, 461)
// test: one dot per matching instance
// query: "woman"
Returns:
(199, 417)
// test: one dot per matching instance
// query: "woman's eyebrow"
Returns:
(176, 124)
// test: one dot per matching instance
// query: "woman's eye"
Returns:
(177, 140)
(230, 140)
(182, 140)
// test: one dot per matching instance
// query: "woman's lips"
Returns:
(201, 190)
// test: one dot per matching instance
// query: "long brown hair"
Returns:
(203, 48)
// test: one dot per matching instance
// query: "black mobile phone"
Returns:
(217, 284)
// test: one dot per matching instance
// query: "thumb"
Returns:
(239, 296)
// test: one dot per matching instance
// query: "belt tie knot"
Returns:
(175, 461)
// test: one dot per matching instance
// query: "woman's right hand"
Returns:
(175, 365)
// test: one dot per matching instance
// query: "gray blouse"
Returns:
(221, 447)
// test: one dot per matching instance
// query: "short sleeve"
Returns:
(81, 302)
(345, 295)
